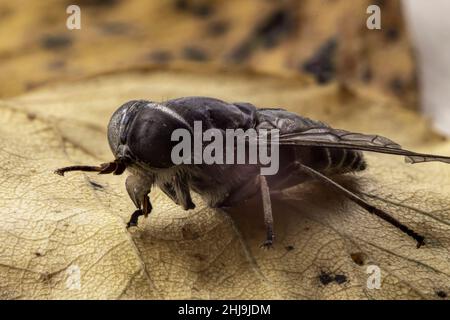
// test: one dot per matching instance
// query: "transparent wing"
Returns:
(334, 138)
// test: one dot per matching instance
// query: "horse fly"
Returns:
(140, 137)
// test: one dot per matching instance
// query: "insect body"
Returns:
(140, 137)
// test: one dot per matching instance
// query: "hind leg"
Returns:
(363, 204)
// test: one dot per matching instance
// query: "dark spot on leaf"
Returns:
(194, 54)
(397, 86)
(96, 185)
(202, 9)
(325, 278)
(441, 294)
(321, 64)
(392, 34)
(278, 24)
(217, 28)
(5, 12)
(340, 278)
(181, 4)
(358, 258)
(289, 248)
(267, 34)
(54, 42)
(367, 74)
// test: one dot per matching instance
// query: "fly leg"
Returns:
(134, 218)
(116, 167)
(267, 207)
(182, 192)
(169, 191)
(250, 189)
(145, 211)
(362, 203)
(138, 189)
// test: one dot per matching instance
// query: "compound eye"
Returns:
(119, 123)
(149, 138)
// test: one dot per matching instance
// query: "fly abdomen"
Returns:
(336, 161)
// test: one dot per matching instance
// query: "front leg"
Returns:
(138, 189)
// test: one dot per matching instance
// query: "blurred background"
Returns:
(322, 41)
(430, 32)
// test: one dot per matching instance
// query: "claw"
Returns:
(420, 241)
(268, 244)
(131, 224)
(134, 218)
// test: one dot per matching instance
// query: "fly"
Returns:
(140, 137)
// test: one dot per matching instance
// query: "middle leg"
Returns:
(267, 207)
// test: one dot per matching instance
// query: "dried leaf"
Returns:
(54, 229)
